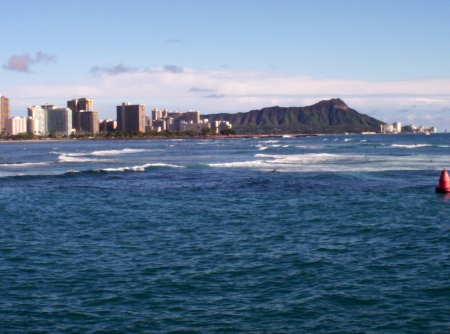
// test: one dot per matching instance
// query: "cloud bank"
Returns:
(113, 70)
(175, 88)
(22, 63)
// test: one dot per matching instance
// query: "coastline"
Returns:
(155, 138)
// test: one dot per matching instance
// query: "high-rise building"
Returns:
(131, 117)
(15, 125)
(108, 125)
(88, 122)
(148, 123)
(32, 126)
(40, 119)
(78, 105)
(397, 127)
(4, 112)
(159, 114)
(193, 116)
(59, 121)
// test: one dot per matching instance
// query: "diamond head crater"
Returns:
(327, 116)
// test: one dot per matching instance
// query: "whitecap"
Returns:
(76, 158)
(137, 168)
(25, 164)
(255, 163)
(410, 146)
(115, 152)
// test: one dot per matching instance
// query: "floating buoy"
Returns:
(444, 183)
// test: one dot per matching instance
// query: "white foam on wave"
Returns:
(443, 145)
(116, 152)
(362, 141)
(276, 145)
(309, 147)
(137, 168)
(410, 146)
(103, 153)
(262, 148)
(245, 164)
(347, 139)
(26, 164)
(77, 158)
(325, 162)
(285, 146)
(270, 141)
(301, 158)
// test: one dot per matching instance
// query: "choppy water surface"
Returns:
(200, 236)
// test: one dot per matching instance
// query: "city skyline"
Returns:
(383, 59)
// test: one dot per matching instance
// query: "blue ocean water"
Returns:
(348, 236)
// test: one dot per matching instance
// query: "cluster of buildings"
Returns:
(79, 117)
(397, 128)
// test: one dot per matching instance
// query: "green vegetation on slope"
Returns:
(328, 116)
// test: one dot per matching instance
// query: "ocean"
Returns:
(201, 236)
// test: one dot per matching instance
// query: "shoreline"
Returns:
(43, 140)
(155, 138)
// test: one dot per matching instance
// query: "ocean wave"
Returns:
(299, 157)
(141, 168)
(103, 153)
(309, 147)
(262, 148)
(334, 163)
(77, 158)
(26, 164)
(255, 163)
(411, 146)
(116, 152)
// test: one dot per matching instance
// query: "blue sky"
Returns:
(388, 59)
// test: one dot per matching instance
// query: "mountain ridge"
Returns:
(326, 116)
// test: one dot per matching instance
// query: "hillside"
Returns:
(328, 116)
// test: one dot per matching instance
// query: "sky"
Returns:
(387, 59)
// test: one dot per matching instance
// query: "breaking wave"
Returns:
(410, 146)
(26, 164)
(137, 168)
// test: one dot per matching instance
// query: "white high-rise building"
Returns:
(40, 117)
(59, 121)
(397, 127)
(16, 125)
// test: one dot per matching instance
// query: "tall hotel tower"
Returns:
(4, 112)
(131, 117)
(78, 105)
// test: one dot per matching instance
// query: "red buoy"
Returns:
(444, 183)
